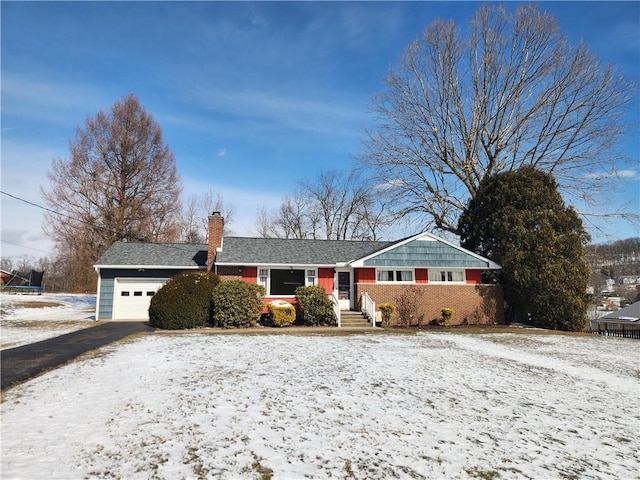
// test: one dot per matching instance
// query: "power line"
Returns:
(36, 205)
(24, 246)
(166, 245)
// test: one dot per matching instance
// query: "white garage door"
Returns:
(133, 296)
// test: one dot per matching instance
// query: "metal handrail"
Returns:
(336, 307)
(368, 307)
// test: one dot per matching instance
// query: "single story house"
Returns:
(621, 323)
(442, 275)
(628, 314)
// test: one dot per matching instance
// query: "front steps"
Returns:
(351, 319)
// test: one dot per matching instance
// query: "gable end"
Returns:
(420, 253)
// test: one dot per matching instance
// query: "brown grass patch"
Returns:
(339, 332)
(47, 324)
(36, 304)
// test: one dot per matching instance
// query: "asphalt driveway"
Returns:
(22, 363)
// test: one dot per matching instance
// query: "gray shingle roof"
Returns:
(279, 251)
(630, 313)
(154, 254)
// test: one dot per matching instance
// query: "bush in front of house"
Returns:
(315, 306)
(446, 315)
(386, 309)
(237, 304)
(408, 307)
(281, 313)
(183, 302)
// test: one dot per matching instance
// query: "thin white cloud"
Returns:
(330, 115)
(390, 184)
(621, 174)
(222, 152)
(628, 174)
(57, 103)
(256, 18)
(354, 26)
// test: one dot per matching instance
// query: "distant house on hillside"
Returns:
(441, 274)
(621, 323)
(628, 314)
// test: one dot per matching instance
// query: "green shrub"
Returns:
(386, 309)
(184, 301)
(281, 313)
(446, 314)
(237, 304)
(315, 306)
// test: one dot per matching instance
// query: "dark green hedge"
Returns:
(315, 306)
(184, 301)
(237, 304)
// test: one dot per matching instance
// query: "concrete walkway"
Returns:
(22, 363)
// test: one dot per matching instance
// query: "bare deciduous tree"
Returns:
(333, 206)
(264, 224)
(296, 217)
(120, 183)
(340, 202)
(194, 216)
(514, 92)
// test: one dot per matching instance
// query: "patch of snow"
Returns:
(431, 405)
(23, 320)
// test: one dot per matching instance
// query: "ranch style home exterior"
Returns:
(439, 273)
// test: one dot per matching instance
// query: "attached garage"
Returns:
(132, 297)
(129, 275)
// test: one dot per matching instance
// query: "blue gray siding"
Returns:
(421, 253)
(107, 285)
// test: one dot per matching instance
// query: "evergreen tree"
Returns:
(519, 220)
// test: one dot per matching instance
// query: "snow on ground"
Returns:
(431, 405)
(30, 318)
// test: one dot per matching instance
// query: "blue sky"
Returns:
(250, 96)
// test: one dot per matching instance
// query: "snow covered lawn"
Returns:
(431, 405)
(31, 318)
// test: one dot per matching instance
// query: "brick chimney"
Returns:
(216, 225)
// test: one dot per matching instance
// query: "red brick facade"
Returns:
(477, 304)
(473, 303)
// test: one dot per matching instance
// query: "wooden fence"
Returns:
(617, 329)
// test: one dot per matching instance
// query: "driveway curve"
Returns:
(27, 361)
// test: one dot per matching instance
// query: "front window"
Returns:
(284, 281)
(311, 277)
(395, 275)
(439, 276)
(263, 276)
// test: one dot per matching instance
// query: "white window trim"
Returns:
(439, 270)
(267, 285)
(394, 270)
(313, 277)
